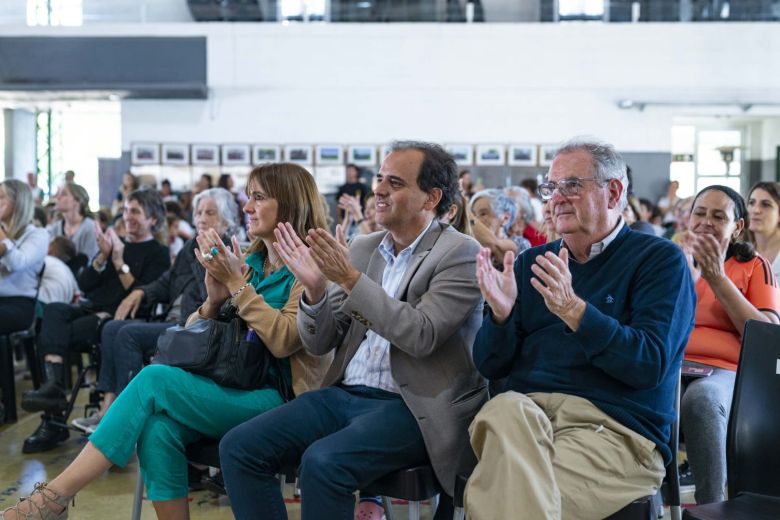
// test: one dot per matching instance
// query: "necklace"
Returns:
(274, 266)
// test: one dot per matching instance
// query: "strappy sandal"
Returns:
(42, 511)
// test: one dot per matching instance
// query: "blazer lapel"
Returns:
(419, 253)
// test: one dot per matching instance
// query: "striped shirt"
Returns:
(371, 364)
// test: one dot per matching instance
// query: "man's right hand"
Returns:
(130, 305)
(498, 289)
(297, 257)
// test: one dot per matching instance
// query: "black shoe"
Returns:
(686, 477)
(215, 484)
(50, 397)
(195, 477)
(46, 437)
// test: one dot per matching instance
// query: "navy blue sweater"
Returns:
(625, 356)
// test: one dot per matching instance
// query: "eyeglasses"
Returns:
(567, 187)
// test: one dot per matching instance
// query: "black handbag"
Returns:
(224, 350)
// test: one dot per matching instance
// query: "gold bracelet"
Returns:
(235, 294)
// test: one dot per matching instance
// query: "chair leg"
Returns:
(460, 514)
(434, 504)
(32, 362)
(414, 510)
(7, 381)
(138, 497)
(388, 508)
(675, 512)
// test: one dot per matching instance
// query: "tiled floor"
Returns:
(111, 496)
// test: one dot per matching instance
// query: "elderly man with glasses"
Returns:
(589, 333)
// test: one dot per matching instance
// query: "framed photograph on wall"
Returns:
(298, 154)
(490, 155)
(176, 154)
(145, 153)
(462, 153)
(330, 154)
(266, 153)
(362, 155)
(522, 155)
(205, 154)
(235, 155)
(546, 153)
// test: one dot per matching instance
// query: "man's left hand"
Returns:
(554, 284)
(332, 257)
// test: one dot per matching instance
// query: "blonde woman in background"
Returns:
(76, 224)
(22, 251)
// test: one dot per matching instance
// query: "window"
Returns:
(702, 157)
(302, 10)
(55, 12)
(581, 9)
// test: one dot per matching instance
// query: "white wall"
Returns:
(539, 83)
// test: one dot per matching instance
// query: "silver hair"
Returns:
(523, 200)
(607, 162)
(500, 203)
(226, 206)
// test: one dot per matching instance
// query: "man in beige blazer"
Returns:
(401, 308)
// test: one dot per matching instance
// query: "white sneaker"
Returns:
(86, 424)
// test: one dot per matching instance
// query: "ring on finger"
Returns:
(208, 257)
(214, 251)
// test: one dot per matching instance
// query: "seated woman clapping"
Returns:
(733, 285)
(163, 408)
(22, 251)
(125, 341)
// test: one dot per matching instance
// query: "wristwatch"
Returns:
(125, 269)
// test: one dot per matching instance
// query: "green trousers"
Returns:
(164, 409)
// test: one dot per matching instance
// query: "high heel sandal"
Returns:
(42, 511)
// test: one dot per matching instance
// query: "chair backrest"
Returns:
(753, 450)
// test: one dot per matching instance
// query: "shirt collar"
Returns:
(388, 251)
(597, 248)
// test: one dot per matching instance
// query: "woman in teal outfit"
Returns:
(165, 408)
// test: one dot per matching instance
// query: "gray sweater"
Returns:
(84, 237)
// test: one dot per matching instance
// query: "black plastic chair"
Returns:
(411, 484)
(752, 450)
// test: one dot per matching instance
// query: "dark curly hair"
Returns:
(741, 250)
(438, 170)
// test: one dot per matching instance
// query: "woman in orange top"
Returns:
(733, 285)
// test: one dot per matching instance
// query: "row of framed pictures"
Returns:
(245, 154)
(328, 155)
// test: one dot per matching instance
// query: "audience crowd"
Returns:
(530, 336)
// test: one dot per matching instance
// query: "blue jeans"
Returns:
(704, 419)
(345, 437)
(123, 345)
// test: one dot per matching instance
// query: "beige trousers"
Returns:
(555, 456)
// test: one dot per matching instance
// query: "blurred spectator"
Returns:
(353, 187)
(523, 225)
(76, 224)
(37, 193)
(548, 223)
(536, 203)
(667, 202)
(129, 184)
(166, 192)
(457, 216)
(764, 210)
(204, 183)
(493, 213)
(104, 218)
(185, 200)
(59, 283)
(632, 214)
(22, 250)
(466, 185)
(651, 214)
